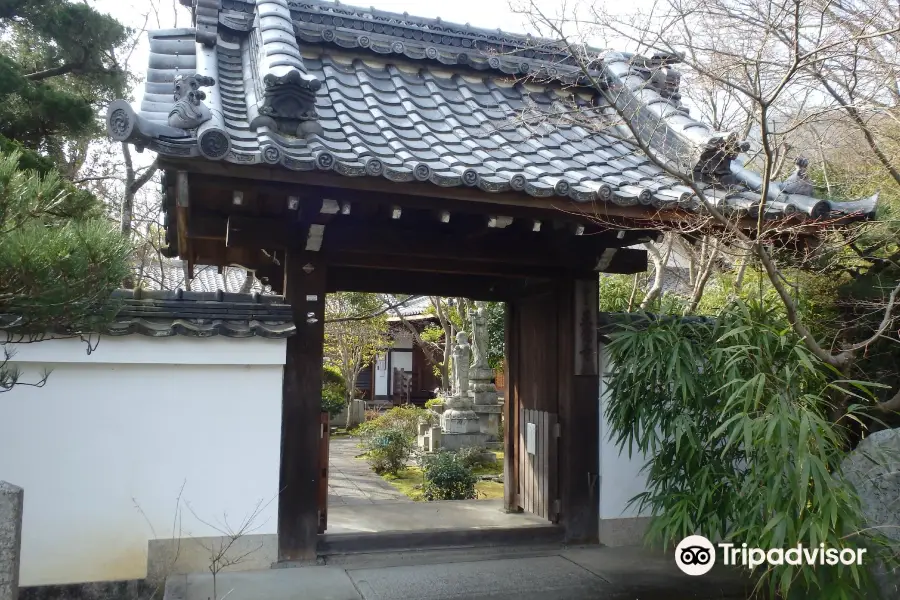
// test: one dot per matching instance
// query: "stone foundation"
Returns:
(623, 532)
(456, 441)
(489, 419)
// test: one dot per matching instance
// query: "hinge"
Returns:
(557, 430)
(556, 507)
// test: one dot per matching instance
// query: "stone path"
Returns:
(350, 480)
(513, 573)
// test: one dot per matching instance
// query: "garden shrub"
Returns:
(472, 456)
(433, 402)
(388, 450)
(447, 477)
(334, 392)
(405, 418)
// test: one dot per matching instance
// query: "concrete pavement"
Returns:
(350, 480)
(507, 573)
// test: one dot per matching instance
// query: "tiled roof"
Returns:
(412, 99)
(169, 275)
(201, 314)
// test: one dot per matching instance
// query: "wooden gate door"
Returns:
(552, 407)
(531, 401)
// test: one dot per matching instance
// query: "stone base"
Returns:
(623, 532)
(489, 419)
(456, 441)
(459, 421)
(488, 458)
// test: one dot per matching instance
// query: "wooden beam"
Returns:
(436, 241)
(208, 228)
(385, 281)
(398, 246)
(298, 519)
(258, 232)
(418, 264)
(427, 192)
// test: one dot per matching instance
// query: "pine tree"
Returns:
(60, 258)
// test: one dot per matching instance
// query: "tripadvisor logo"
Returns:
(695, 555)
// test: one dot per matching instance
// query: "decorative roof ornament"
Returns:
(799, 182)
(189, 111)
(206, 19)
(284, 98)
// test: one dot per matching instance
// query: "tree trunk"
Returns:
(658, 273)
(710, 253)
(351, 387)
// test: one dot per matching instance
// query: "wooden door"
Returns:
(552, 383)
(531, 406)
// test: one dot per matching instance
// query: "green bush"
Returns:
(334, 392)
(447, 477)
(388, 450)
(406, 418)
(433, 402)
(471, 456)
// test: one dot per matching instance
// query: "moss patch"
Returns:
(489, 490)
(406, 481)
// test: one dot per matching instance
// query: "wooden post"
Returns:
(579, 410)
(304, 286)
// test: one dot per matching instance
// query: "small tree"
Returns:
(354, 334)
(59, 262)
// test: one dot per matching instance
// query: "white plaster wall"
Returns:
(126, 427)
(620, 475)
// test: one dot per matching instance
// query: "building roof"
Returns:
(314, 85)
(168, 274)
(201, 314)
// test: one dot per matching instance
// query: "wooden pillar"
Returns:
(510, 410)
(579, 410)
(304, 288)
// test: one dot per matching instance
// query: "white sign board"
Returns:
(530, 437)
